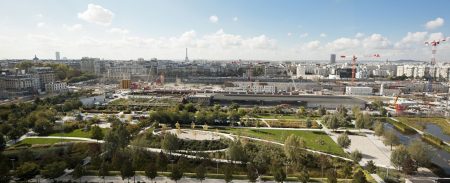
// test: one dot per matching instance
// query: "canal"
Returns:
(439, 157)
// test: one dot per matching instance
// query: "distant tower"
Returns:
(186, 59)
(332, 58)
(57, 55)
(35, 59)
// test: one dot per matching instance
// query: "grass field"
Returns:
(312, 139)
(420, 123)
(43, 141)
(79, 133)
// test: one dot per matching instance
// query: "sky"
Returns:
(223, 30)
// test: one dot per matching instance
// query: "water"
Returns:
(435, 130)
(93, 100)
(439, 157)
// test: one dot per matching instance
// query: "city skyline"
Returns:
(223, 30)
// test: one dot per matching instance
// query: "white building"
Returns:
(56, 87)
(357, 90)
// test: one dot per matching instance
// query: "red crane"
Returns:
(434, 45)
(354, 59)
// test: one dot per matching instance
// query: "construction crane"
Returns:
(354, 59)
(434, 44)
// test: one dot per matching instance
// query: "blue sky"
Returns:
(226, 29)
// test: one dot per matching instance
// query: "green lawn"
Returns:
(79, 133)
(43, 141)
(312, 139)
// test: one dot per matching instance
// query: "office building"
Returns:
(57, 55)
(332, 58)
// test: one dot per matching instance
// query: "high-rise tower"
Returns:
(57, 55)
(332, 58)
(186, 59)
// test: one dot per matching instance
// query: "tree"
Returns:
(301, 111)
(419, 152)
(322, 111)
(278, 174)
(308, 123)
(169, 142)
(127, 170)
(103, 170)
(4, 169)
(331, 176)
(53, 170)
(347, 170)
(151, 171)
(252, 173)
(356, 156)
(333, 122)
(162, 161)
(78, 172)
(379, 129)
(370, 166)
(390, 138)
(343, 140)
(200, 172)
(2, 142)
(96, 133)
(398, 156)
(359, 177)
(228, 173)
(236, 151)
(303, 175)
(377, 104)
(27, 171)
(178, 127)
(293, 145)
(42, 126)
(123, 136)
(176, 174)
(323, 162)
(355, 111)
(409, 166)
(359, 122)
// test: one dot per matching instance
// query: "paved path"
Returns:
(64, 138)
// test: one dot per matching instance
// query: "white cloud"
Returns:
(97, 14)
(343, 44)
(304, 35)
(73, 28)
(376, 41)
(289, 34)
(359, 35)
(323, 35)
(40, 24)
(411, 38)
(118, 31)
(235, 19)
(260, 42)
(437, 36)
(433, 24)
(313, 45)
(39, 15)
(213, 19)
